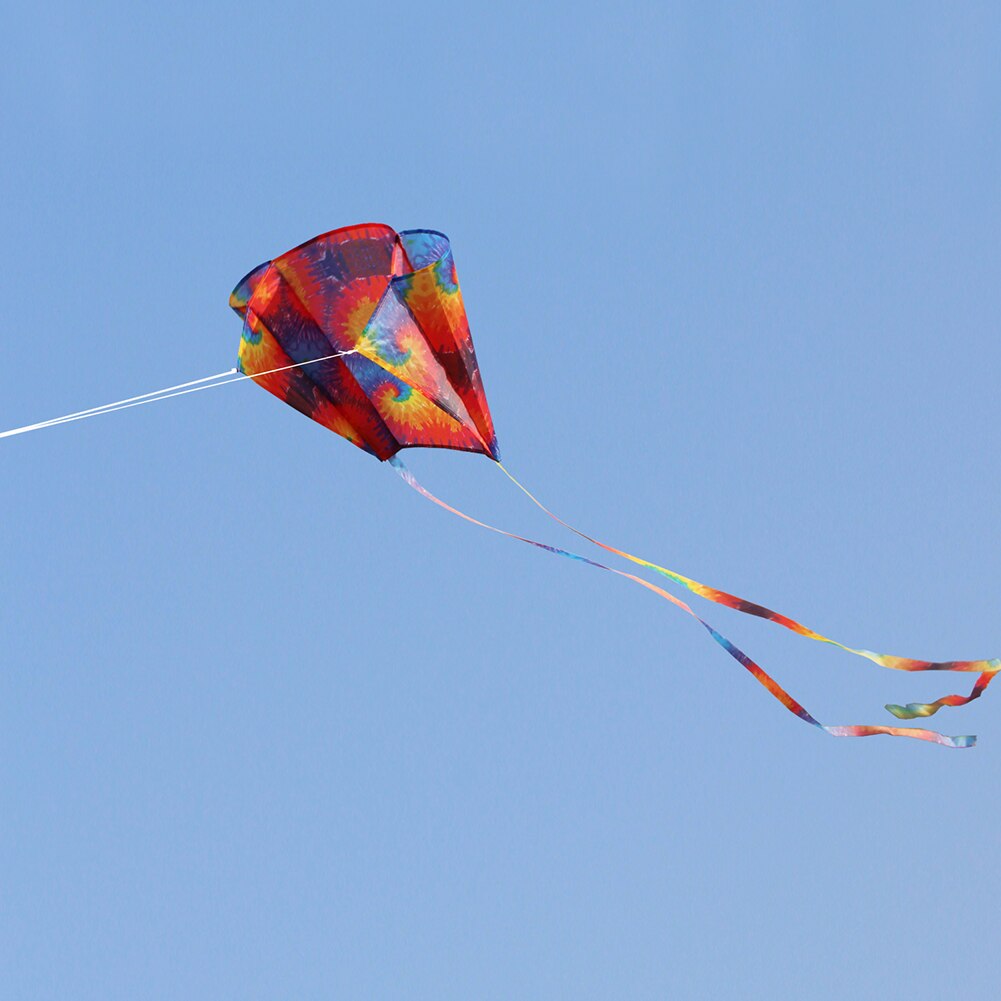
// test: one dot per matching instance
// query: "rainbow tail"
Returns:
(762, 677)
(987, 669)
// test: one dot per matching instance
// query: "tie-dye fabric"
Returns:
(390, 304)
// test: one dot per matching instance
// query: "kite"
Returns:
(364, 331)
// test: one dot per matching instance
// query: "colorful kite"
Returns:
(363, 329)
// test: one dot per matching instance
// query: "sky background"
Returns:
(271, 726)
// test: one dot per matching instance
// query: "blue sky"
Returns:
(271, 726)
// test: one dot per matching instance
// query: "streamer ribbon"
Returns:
(754, 669)
(987, 668)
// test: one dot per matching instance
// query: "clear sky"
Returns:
(273, 727)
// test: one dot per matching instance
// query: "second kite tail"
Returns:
(987, 669)
(731, 648)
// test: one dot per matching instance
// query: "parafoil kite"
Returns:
(363, 329)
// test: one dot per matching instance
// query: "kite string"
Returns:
(754, 669)
(182, 389)
(987, 669)
(108, 408)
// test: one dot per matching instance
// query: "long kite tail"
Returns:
(762, 677)
(987, 669)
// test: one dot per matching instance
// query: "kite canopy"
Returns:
(389, 304)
